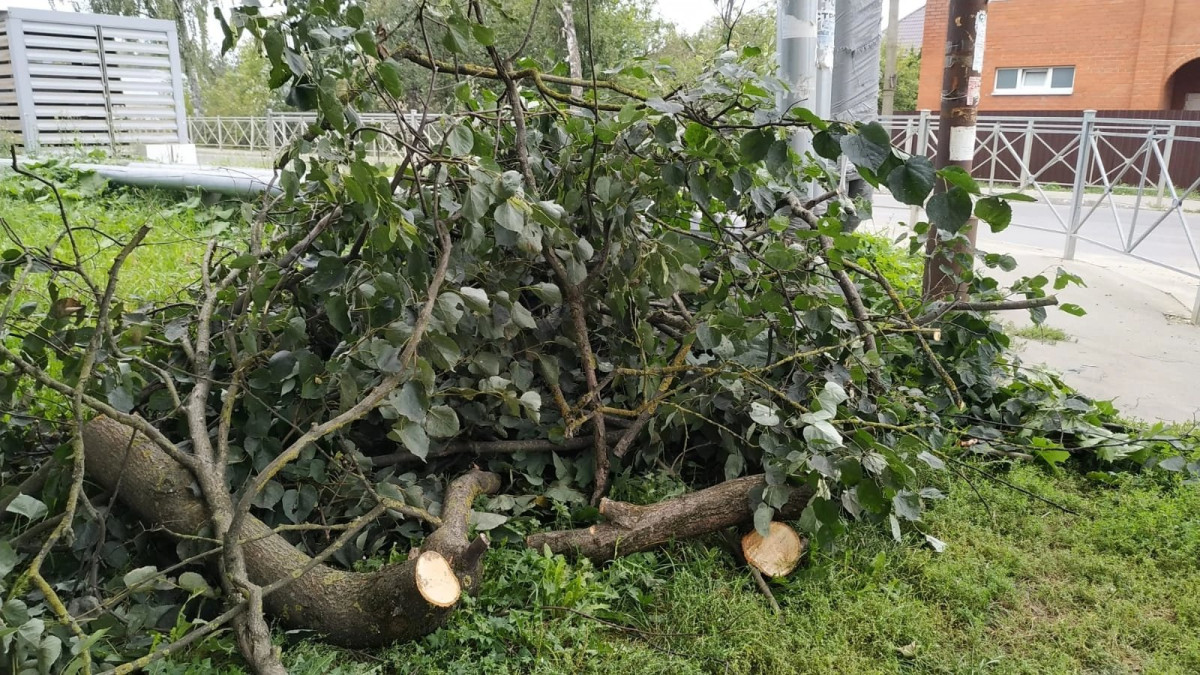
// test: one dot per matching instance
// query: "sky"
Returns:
(689, 15)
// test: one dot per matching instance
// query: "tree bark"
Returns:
(632, 528)
(399, 602)
(574, 61)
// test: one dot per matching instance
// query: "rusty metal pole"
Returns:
(948, 254)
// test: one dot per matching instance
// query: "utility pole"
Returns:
(889, 68)
(948, 254)
(796, 51)
(826, 28)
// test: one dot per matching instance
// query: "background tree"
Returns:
(238, 85)
(908, 78)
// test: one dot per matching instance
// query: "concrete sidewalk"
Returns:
(1134, 346)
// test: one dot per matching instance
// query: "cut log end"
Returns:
(436, 580)
(777, 554)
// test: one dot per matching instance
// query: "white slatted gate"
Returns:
(73, 79)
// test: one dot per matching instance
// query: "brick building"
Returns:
(1077, 54)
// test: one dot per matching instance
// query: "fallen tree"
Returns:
(560, 288)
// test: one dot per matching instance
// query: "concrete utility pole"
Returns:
(889, 68)
(826, 28)
(796, 51)
(961, 85)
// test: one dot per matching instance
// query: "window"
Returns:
(1059, 80)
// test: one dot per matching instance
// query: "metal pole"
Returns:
(1083, 165)
(826, 25)
(966, 32)
(1166, 167)
(1026, 157)
(889, 69)
(914, 212)
(992, 161)
(796, 50)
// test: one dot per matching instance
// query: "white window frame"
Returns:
(1022, 90)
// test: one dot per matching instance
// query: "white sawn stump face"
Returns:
(777, 554)
(436, 580)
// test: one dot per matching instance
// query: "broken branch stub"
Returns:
(632, 528)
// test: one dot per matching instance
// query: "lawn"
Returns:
(1022, 586)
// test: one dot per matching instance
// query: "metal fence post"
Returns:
(1166, 167)
(1027, 157)
(914, 212)
(1082, 166)
(994, 159)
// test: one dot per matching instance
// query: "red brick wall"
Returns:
(1124, 51)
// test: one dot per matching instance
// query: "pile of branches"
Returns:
(543, 291)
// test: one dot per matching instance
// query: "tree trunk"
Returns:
(567, 13)
(632, 528)
(399, 602)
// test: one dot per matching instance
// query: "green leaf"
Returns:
(390, 76)
(410, 401)
(869, 148)
(548, 293)
(1052, 457)
(950, 210)
(665, 107)
(483, 35)
(1173, 464)
(932, 460)
(140, 576)
(958, 177)
(762, 519)
(510, 217)
(1072, 309)
(764, 414)
(936, 544)
(994, 211)
(826, 144)
(907, 505)
(441, 422)
(195, 584)
(338, 312)
(461, 139)
(755, 145)
(483, 521)
(831, 396)
(1017, 197)
(413, 437)
(30, 507)
(1063, 277)
(457, 38)
(911, 182)
(476, 298)
(8, 558)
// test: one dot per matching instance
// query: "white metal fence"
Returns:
(271, 133)
(1129, 186)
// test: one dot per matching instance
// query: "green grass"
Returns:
(1021, 588)
(1041, 333)
(167, 261)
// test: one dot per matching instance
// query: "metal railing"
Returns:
(1126, 185)
(271, 133)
